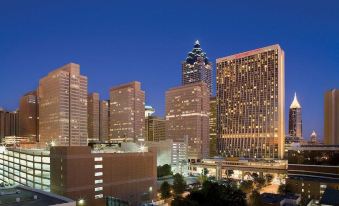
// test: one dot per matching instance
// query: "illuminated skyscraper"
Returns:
(127, 112)
(63, 107)
(29, 116)
(93, 109)
(294, 120)
(9, 123)
(250, 110)
(197, 67)
(213, 126)
(155, 129)
(187, 116)
(104, 120)
(314, 138)
(331, 118)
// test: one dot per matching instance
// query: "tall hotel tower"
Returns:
(331, 118)
(294, 119)
(127, 112)
(187, 116)
(197, 68)
(29, 116)
(93, 109)
(250, 99)
(63, 107)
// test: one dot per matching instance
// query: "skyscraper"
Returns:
(213, 126)
(104, 120)
(127, 112)
(314, 138)
(250, 110)
(197, 67)
(93, 109)
(29, 116)
(9, 123)
(294, 120)
(155, 129)
(187, 116)
(63, 107)
(331, 119)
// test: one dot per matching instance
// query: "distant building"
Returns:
(29, 116)
(187, 109)
(314, 138)
(93, 109)
(197, 67)
(164, 151)
(63, 107)
(270, 199)
(9, 123)
(104, 120)
(127, 112)
(295, 121)
(251, 103)
(149, 111)
(155, 129)
(213, 127)
(331, 118)
(180, 155)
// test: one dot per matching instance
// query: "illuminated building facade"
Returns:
(29, 116)
(250, 110)
(294, 119)
(213, 126)
(93, 109)
(104, 120)
(331, 118)
(187, 116)
(127, 112)
(314, 137)
(63, 107)
(149, 111)
(155, 129)
(197, 67)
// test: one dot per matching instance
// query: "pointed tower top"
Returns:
(313, 134)
(295, 104)
(197, 42)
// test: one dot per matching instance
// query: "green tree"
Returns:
(164, 170)
(165, 190)
(255, 199)
(246, 186)
(269, 178)
(260, 182)
(229, 173)
(203, 176)
(179, 184)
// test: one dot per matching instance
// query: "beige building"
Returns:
(187, 116)
(127, 112)
(29, 116)
(251, 103)
(63, 107)
(104, 120)
(331, 119)
(93, 109)
(155, 129)
(213, 126)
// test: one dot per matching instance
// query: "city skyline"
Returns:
(305, 77)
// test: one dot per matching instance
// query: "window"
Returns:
(98, 189)
(98, 181)
(98, 196)
(97, 159)
(97, 166)
(98, 174)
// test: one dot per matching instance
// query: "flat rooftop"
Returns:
(20, 195)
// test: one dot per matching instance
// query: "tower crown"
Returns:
(295, 103)
(196, 54)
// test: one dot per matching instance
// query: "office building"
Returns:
(89, 175)
(314, 138)
(155, 129)
(197, 67)
(251, 97)
(213, 126)
(29, 116)
(104, 120)
(179, 156)
(187, 116)
(63, 107)
(9, 123)
(149, 111)
(294, 119)
(93, 109)
(331, 118)
(127, 112)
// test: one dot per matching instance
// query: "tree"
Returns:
(254, 175)
(165, 190)
(285, 188)
(179, 184)
(269, 178)
(229, 173)
(203, 176)
(246, 186)
(260, 182)
(214, 194)
(164, 170)
(255, 199)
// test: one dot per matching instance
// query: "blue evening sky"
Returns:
(120, 41)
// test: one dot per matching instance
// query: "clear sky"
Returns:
(120, 41)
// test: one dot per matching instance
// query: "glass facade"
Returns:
(26, 167)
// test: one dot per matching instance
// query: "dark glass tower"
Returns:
(197, 67)
(295, 121)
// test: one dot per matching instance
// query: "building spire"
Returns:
(197, 42)
(295, 104)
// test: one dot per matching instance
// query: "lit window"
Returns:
(97, 166)
(97, 159)
(98, 181)
(98, 174)
(98, 189)
(98, 196)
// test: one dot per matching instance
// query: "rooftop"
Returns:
(330, 197)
